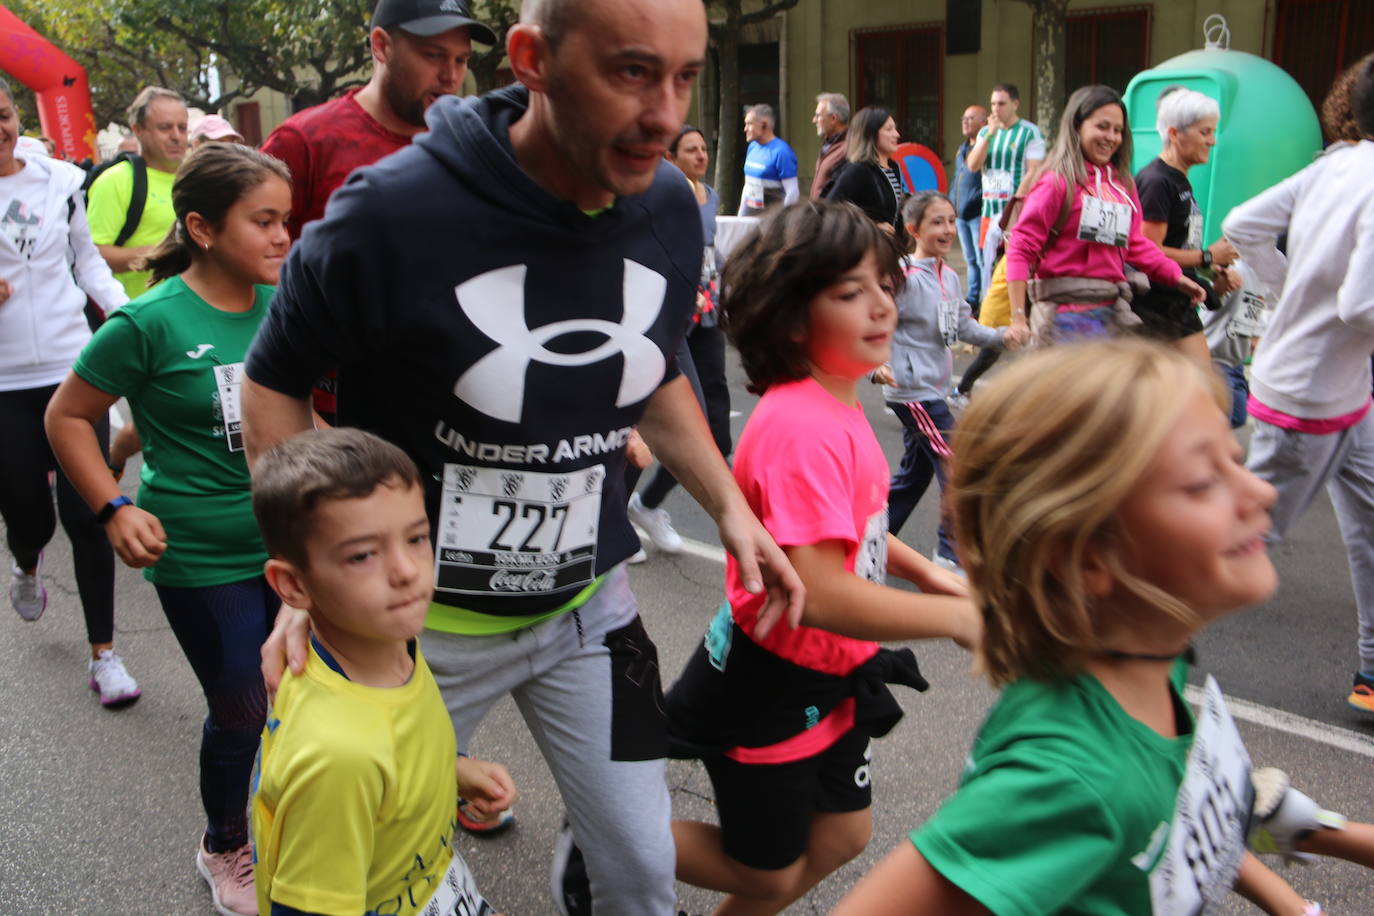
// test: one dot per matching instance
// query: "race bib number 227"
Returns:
(517, 532)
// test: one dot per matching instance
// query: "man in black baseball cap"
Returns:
(420, 52)
(430, 17)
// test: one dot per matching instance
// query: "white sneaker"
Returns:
(230, 876)
(639, 556)
(111, 679)
(657, 524)
(572, 889)
(28, 597)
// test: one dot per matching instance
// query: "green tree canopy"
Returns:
(308, 50)
(117, 62)
(485, 62)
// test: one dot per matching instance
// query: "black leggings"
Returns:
(707, 349)
(26, 504)
(221, 628)
(981, 363)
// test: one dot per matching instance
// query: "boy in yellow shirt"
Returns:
(355, 794)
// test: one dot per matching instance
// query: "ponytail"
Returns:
(209, 182)
(171, 256)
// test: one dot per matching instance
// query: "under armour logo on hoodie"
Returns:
(495, 303)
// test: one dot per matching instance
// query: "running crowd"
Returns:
(375, 495)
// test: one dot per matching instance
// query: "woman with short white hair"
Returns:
(1187, 125)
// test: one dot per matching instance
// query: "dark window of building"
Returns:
(902, 69)
(759, 82)
(1107, 46)
(1314, 40)
(248, 122)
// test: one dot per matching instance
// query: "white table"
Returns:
(730, 230)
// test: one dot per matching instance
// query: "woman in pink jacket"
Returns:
(1067, 258)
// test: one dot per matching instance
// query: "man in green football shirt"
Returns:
(1007, 152)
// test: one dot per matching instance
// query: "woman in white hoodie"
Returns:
(48, 266)
(1311, 378)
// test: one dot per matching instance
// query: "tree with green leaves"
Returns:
(727, 18)
(1048, 38)
(485, 63)
(308, 50)
(117, 62)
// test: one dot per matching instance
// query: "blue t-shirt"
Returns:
(765, 167)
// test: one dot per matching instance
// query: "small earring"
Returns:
(207, 246)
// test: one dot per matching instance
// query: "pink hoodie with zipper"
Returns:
(1070, 256)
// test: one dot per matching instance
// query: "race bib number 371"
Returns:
(517, 532)
(1104, 221)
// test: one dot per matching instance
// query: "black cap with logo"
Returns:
(430, 17)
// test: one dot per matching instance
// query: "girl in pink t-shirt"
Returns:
(783, 721)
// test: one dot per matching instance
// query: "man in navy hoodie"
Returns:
(508, 293)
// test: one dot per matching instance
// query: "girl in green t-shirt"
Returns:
(1104, 517)
(177, 354)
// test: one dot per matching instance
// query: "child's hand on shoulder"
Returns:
(486, 787)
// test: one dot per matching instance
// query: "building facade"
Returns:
(913, 56)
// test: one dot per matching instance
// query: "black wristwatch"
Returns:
(1206, 258)
(110, 508)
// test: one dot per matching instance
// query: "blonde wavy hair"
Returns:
(1043, 458)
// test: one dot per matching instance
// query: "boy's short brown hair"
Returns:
(291, 479)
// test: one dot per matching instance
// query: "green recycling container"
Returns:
(1267, 130)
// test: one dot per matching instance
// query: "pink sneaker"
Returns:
(230, 876)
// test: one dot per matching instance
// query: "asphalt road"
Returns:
(100, 813)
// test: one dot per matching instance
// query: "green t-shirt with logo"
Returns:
(109, 207)
(1065, 804)
(1005, 165)
(179, 361)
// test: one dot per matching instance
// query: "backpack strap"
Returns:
(138, 199)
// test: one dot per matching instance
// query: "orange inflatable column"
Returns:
(58, 82)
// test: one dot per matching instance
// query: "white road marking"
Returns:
(1277, 719)
(1287, 722)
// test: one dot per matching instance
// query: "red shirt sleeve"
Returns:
(287, 144)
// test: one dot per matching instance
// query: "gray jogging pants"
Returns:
(1298, 465)
(587, 685)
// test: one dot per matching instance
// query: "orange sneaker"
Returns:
(1362, 695)
(491, 826)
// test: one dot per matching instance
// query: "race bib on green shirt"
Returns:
(1206, 837)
